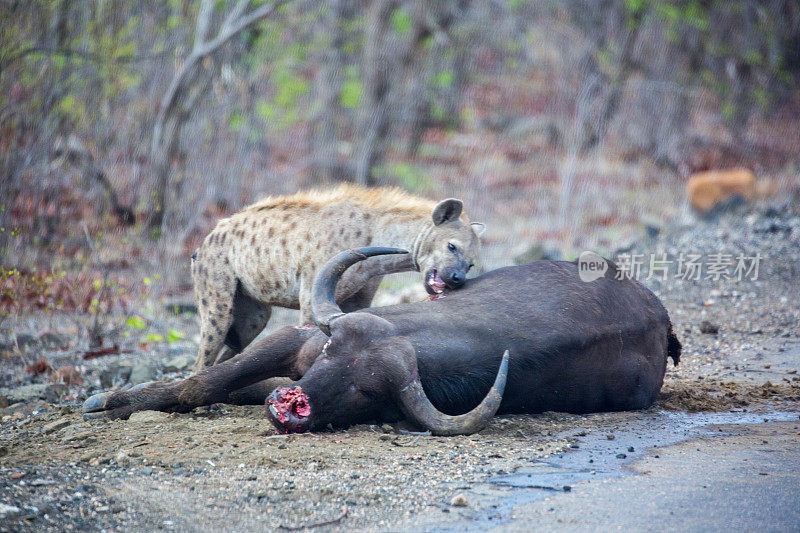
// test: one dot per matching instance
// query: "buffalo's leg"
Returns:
(276, 355)
(257, 393)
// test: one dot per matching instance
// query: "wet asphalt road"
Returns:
(727, 477)
(745, 479)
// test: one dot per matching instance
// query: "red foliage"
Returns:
(39, 367)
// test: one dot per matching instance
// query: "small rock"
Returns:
(25, 393)
(17, 475)
(6, 509)
(26, 341)
(610, 436)
(630, 449)
(459, 500)
(142, 372)
(53, 340)
(52, 427)
(621, 456)
(146, 471)
(115, 375)
(708, 328)
(55, 391)
(19, 411)
(567, 488)
(148, 416)
(179, 363)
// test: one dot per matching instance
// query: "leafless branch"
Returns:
(228, 30)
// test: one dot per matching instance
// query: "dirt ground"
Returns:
(226, 469)
(223, 468)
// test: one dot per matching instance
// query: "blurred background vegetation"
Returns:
(128, 128)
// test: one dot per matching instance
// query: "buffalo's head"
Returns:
(447, 250)
(365, 370)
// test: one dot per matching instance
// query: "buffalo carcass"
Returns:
(521, 339)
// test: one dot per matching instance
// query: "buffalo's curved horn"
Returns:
(416, 406)
(323, 293)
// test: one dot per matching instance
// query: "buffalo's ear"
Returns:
(447, 211)
(478, 228)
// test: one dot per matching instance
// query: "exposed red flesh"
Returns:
(290, 401)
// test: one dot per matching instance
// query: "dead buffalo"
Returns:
(520, 339)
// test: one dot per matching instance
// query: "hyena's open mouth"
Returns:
(434, 284)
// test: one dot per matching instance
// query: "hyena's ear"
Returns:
(478, 228)
(447, 211)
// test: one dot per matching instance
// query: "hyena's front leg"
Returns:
(276, 355)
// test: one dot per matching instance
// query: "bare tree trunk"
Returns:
(372, 118)
(186, 87)
(325, 165)
(438, 19)
(385, 79)
(595, 133)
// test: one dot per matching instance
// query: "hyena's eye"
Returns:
(451, 247)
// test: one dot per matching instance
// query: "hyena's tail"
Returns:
(673, 346)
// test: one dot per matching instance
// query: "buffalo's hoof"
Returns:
(110, 404)
(94, 404)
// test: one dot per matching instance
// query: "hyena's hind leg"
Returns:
(214, 293)
(250, 317)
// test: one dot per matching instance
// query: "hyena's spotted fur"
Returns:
(269, 253)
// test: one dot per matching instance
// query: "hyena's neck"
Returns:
(401, 231)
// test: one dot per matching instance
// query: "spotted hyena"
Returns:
(269, 253)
